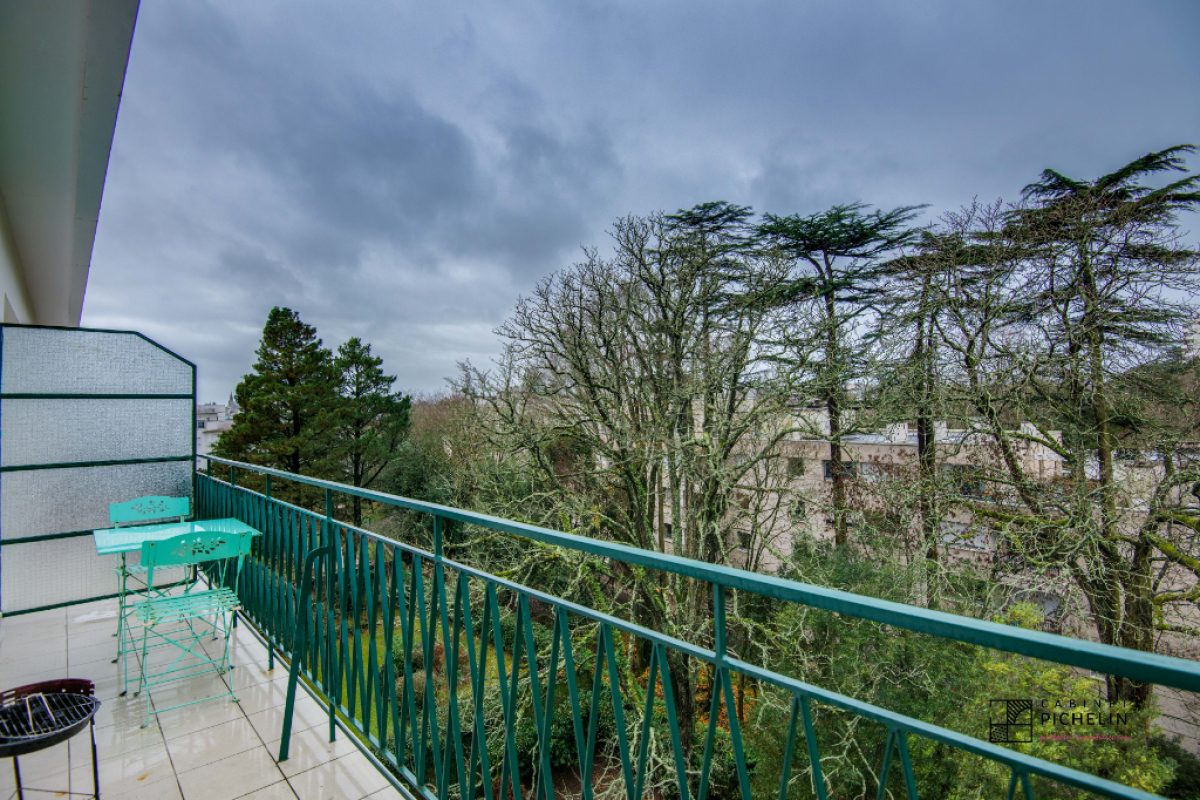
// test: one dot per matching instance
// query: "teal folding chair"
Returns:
(134, 513)
(179, 622)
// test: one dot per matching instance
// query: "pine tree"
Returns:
(286, 402)
(370, 420)
(837, 257)
(1108, 283)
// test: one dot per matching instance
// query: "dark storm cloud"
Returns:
(404, 173)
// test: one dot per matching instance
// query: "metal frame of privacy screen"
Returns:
(87, 417)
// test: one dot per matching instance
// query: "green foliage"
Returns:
(1185, 784)
(418, 654)
(1115, 742)
(368, 421)
(949, 683)
(308, 411)
(922, 676)
(285, 401)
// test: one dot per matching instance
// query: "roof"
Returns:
(62, 68)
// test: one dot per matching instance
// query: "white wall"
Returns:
(15, 301)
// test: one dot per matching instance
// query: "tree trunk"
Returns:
(833, 407)
(927, 445)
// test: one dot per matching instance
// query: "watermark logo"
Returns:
(1013, 720)
(1010, 721)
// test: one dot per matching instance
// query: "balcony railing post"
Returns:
(719, 623)
(722, 684)
(299, 643)
(332, 676)
(266, 516)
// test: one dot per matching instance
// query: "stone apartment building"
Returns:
(789, 499)
(881, 466)
(213, 419)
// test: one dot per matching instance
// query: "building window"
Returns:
(797, 511)
(871, 471)
(668, 531)
(795, 467)
(966, 479)
(199, 424)
(744, 539)
(849, 469)
(959, 534)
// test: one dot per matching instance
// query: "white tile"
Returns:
(36, 766)
(165, 789)
(54, 618)
(350, 777)
(101, 651)
(109, 684)
(251, 674)
(116, 740)
(276, 791)
(206, 746)
(56, 785)
(307, 714)
(192, 688)
(198, 717)
(312, 748)
(129, 771)
(85, 639)
(12, 679)
(246, 646)
(262, 696)
(93, 632)
(231, 777)
(37, 656)
(126, 712)
(100, 612)
(389, 793)
(161, 788)
(20, 648)
(162, 655)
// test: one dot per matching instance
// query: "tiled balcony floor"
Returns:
(217, 750)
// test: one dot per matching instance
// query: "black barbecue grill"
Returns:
(40, 715)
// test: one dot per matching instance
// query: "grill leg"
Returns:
(17, 770)
(95, 766)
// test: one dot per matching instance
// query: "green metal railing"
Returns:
(409, 649)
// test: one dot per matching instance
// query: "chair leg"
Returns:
(124, 634)
(124, 666)
(120, 605)
(17, 770)
(142, 674)
(225, 667)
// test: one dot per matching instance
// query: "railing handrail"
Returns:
(1153, 668)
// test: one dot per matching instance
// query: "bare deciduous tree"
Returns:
(639, 385)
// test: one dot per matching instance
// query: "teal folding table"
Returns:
(120, 541)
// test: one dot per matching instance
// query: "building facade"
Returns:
(212, 420)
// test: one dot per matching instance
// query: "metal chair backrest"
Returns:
(151, 508)
(193, 549)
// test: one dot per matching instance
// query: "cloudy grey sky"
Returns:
(403, 172)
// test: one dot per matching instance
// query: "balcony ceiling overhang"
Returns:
(62, 66)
